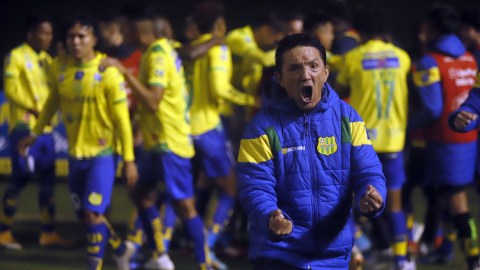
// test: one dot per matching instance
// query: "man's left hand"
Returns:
(372, 202)
(112, 62)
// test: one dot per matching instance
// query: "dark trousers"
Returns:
(271, 264)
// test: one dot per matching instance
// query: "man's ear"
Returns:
(327, 72)
(279, 78)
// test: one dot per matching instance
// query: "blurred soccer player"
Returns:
(470, 31)
(164, 120)
(26, 90)
(294, 23)
(444, 78)
(346, 38)
(209, 81)
(94, 110)
(376, 75)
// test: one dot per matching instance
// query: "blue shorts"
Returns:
(212, 152)
(41, 155)
(393, 170)
(91, 183)
(451, 164)
(174, 170)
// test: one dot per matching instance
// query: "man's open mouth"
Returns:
(307, 93)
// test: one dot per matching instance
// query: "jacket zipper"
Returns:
(312, 172)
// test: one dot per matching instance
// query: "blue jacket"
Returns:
(309, 166)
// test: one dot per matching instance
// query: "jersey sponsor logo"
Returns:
(327, 145)
(459, 99)
(102, 142)
(29, 65)
(122, 87)
(97, 77)
(291, 149)
(79, 75)
(462, 77)
(391, 62)
(61, 78)
(178, 63)
(159, 73)
(95, 198)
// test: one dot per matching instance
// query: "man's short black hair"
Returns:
(314, 21)
(372, 22)
(83, 19)
(445, 18)
(471, 17)
(291, 41)
(35, 20)
(206, 14)
(138, 11)
(272, 19)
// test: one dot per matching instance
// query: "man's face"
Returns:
(469, 36)
(269, 38)
(326, 35)
(303, 76)
(41, 38)
(81, 41)
(295, 27)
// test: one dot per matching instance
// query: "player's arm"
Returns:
(149, 96)
(369, 183)
(12, 70)
(191, 52)
(466, 117)
(220, 63)
(428, 82)
(256, 185)
(243, 47)
(266, 59)
(117, 99)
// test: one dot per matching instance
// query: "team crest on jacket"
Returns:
(327, 146)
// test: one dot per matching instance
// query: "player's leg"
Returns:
(392, 164)
(144, 197)
(177, 174)
(168, 216)
(44, 155)
(19, 178)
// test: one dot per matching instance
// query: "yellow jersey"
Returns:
(208, 83)
(26, 85)
(376, 73)
(93, 105)
(334, 61)
(168, 129)
(248, 62)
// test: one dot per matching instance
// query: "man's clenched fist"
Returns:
(372, 202)
(463, 119)
(278, 224)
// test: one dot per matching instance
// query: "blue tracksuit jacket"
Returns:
(309, 166)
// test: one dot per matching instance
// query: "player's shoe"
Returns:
(123, 261)
(163, 262)
(357, 260)
(216, 263)
(407, 265)
(7, 241)
(438, 257)
(53, 239)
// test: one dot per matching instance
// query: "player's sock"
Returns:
(196, 233)
(220, 219)
(399, 237)
(152, 227)
(202, 197)
(115, 242)
(47, 209)
(169, 216)
(467, 236)
(97, 236)
(10, 203)
(135, 230)
(410, 226)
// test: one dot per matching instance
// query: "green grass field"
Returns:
(33, 257)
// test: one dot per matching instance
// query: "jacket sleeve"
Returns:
(471, 105)
(256, 180)
(366, 168)
(428, 82)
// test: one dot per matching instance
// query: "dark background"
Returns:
(404, 13)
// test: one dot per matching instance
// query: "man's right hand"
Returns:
(463, 119)
(278, 224)
(24, 143)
